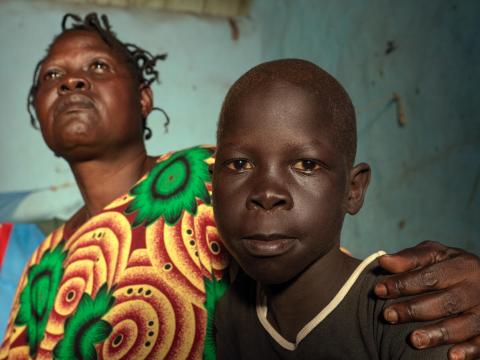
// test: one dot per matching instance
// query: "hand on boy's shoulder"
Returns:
(389, 341)
(440, 282)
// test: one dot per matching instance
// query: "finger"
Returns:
(423, 254)
(451, 331)
(432, 277)
(468, 350)
(433, 306)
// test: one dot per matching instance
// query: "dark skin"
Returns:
(90, 109)
(431, 266)
(454, 271)
(281, 194)
(102, 141)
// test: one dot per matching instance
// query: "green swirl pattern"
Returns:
(38, 296)
(172, 186)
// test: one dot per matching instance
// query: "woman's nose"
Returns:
(73, 84)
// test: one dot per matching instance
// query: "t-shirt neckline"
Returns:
(262, 309)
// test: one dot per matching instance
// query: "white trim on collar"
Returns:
(262, 309)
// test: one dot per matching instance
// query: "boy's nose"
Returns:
(73, 84)
(269, 198)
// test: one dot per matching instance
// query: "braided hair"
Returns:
(141, 62)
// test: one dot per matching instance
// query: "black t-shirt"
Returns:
(349, 327)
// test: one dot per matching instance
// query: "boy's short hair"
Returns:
(306, 75)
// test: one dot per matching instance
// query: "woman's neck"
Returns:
(291, 306)
(102, 180)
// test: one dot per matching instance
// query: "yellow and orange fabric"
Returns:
(139, 280)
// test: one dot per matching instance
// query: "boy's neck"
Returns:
(291, 306)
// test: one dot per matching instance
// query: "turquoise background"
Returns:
(426, 175)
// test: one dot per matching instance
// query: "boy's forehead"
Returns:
(318, 96)
(276, 109)
(278, 98)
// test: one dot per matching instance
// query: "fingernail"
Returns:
(391, 316)
(457, 355)
(421, 339)
(381, 290)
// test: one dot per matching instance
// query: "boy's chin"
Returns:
(269, 276)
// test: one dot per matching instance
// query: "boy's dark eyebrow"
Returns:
(308, 145)
(289, 146)
(229, 144)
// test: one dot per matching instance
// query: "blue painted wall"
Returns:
(426, 175)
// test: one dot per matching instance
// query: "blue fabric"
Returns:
(24, 239)
(9, 202)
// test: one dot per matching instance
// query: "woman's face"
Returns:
(88, 102)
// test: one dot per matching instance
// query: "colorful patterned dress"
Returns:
(137, 281)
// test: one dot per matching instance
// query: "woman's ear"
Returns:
(146, 100)
(359, 180)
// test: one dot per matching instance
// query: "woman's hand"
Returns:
(446, 282)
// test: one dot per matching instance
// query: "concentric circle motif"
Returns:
(172, 187)
(98, 255)
(137, 281)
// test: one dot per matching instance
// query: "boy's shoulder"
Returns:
(363, 310)
(350, 327)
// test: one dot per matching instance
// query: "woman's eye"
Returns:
(239, 165)
(99, 66)
(306, 166)
(51, 74)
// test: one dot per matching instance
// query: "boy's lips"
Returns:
(261, 245)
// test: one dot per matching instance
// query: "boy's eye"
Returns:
(52, 74)
(306, 166)
(99, 66)
(239, 165)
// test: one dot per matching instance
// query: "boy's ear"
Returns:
(146, 100)
(359, 180)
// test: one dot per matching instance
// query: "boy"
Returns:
(133, 273)
(282, 183)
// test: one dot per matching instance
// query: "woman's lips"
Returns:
(268, 246)
(74, 103)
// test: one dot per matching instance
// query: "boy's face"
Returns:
(87, 101)
(280, 186)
